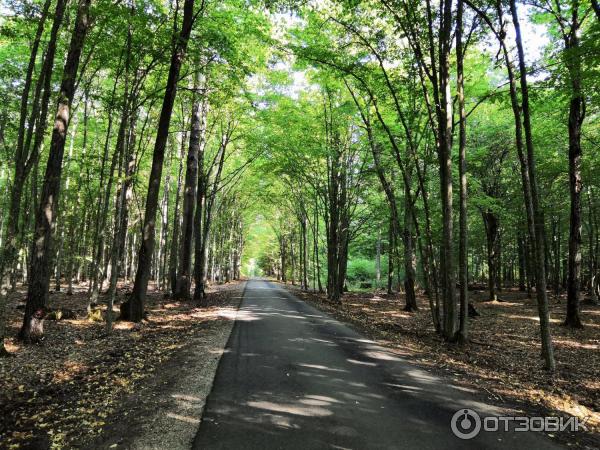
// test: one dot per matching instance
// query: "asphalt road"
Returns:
(292, 377)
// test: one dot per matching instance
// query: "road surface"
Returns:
(292, 377)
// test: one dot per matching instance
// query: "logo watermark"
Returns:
(466, 423)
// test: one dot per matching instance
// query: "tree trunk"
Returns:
(316, 244)
(463, 264)
(133, 309)
(409, 254)
(490, 220)
(391, 245)
(101, 217)
(594, 244)
(521, 252)
(535, 222)
(199, 244)
(206, 212)
(37, 295)
(161, 279)
(304, 253)
(378, 261)
(292, 260)
(283, 259)
(173, 253)
(596, 7)
(198, 124)
(9, 254)
(576, 117)
(445, 125)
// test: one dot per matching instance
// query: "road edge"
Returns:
(171, 413)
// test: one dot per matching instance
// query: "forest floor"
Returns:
(503, 356)
(82, 389)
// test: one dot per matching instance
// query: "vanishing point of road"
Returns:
(292, 377)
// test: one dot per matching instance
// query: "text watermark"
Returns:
(466, 423)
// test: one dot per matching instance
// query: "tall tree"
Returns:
(535, 217)
(37, 293)
(568, 16)
(463, 264)
(26, 159)
(133, 309)
(198, 123)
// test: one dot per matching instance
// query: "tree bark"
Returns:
(175, 244)
(522, 270)
(133, 309)
(184, 279)
(391, 246)
(490, 220)
(102, 214)
(207, 215)
(316, 244)
(596, 6)
(463, 264)
(576, 117)
(535, 219)
(409, 254)
(37, 294)
(304, 252)
(378, 260)
(445, 121)
(24, 163)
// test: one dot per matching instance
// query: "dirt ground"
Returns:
(80, 388)
(503, 356)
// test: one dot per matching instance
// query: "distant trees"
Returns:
(342, 190)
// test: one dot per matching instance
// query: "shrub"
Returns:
(360, 271)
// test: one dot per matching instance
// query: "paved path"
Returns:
(294, 378)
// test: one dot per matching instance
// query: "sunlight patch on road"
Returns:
(313, 341)
(320, 367)
(282, 421)
(421, 375)
(298, 410)
(378, 354)
(313, 402)
(362, 363)
(323, 398)
(246, 316)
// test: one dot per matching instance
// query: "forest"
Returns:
(429, 168)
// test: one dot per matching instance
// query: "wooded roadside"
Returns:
(499, 359)
(149, 380)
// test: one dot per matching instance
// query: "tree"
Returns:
(25, 160)
(37, 294)
(197, 138)
(568, 17)
(133, 309)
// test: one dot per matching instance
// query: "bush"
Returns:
(360, 271)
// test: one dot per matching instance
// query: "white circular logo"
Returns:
(466, 424)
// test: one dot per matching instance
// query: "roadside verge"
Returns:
(166, 411)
